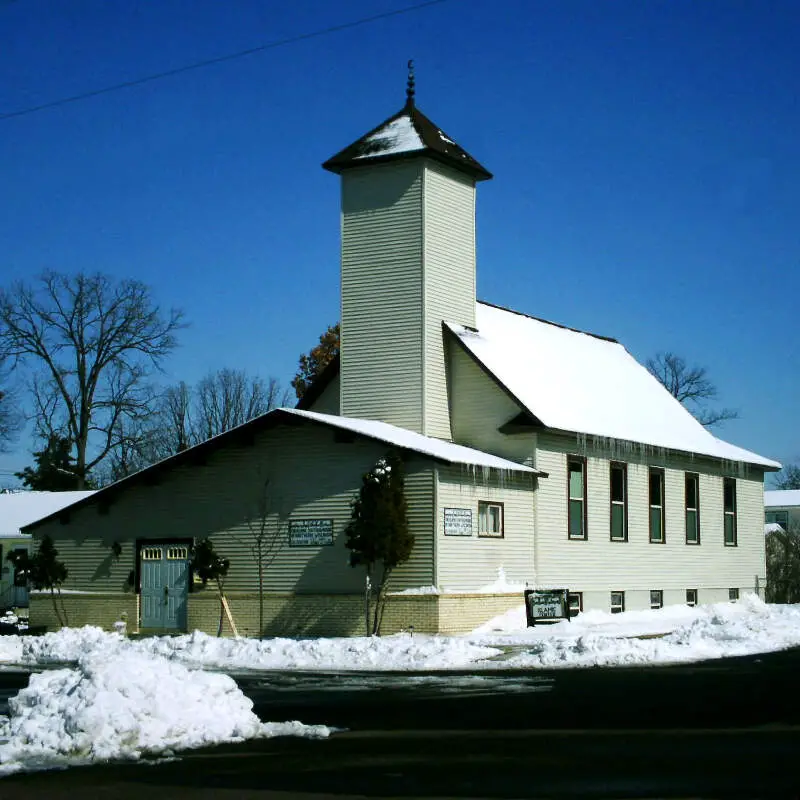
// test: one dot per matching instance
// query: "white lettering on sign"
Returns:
(310, 532)
(458, 522)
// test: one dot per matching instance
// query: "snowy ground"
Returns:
(120, 698)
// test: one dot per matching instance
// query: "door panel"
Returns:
(164, 586)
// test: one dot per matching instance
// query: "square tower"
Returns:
(407, 266)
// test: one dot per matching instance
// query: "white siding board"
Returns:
(310, 476)
(472, 562)
(449, 274)
(480, 407)
(381, 333)
(599, 565)
(328, 401)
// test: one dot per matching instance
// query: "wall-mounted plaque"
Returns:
(310, 532)
(458, 522)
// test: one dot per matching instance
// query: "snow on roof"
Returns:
(587, 384)
(773, 527)
(18, 509)
(409, 440)
(396, 136)
(782, 497)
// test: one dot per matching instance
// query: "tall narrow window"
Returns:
(729, 502)
(692, 508)
(619, 502)
(656, 505)
(576, 497)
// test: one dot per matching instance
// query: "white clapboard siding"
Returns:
(599, 564)
(381, 333)
(311, 476)
(480, 407)
(472, 562)
(449, 277)
(328, 401)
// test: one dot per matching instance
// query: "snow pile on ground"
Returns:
(677, 634)
(670, 635)
(127, 706)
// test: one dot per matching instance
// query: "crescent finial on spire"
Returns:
(410, 84)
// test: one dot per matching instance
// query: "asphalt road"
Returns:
(726, 728)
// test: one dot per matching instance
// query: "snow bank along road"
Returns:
(122, 699)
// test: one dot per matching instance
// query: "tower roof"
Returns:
(406, 134)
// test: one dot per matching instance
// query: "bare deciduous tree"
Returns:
(266, 535)
(228, 397)
(691, 386)
(90, 344)
(788, 477)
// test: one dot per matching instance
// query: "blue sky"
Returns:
(646, 160)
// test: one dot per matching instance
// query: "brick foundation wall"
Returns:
(287, 614)
(102, 610)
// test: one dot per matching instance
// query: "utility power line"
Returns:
(221, 59)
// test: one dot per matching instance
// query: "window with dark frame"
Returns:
(617, 602)
(733, 594)
(619, 502)
(576, 497)
(575, 601)
(656, 598)
(490, 519)
(692, 503)
(691, 597)
(729, 504)
(779, 518)
(656, 489)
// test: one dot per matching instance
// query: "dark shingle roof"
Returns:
(406, 134)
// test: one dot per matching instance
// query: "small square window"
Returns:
(733, 594)
(691, 597)
(575, 603)
(490, 519)
(617, 602)
(656, 598)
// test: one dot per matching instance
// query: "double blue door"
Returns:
(165, 585)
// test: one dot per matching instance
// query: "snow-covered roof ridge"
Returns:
(407, 133)
(587, 384)
(781, 497)
(18, 509)
(410, 440)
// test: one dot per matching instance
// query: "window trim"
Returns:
(579, 595)
(695, 476)
(584, 518)
(661, 473)
(725, 513)
(623, 467)
(619, 606)
(485, 534)
(660, 593)
(695, 602)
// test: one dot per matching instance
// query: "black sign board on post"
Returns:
(546, 605)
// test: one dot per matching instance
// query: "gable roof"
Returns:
(777, 498)
(446, 452)
(406, 134)
(18, 509)
(582, 383)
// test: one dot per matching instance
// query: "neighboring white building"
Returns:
(534, 453)
(782, 507)
(18, 509)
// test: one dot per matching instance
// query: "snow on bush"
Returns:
(126, 706)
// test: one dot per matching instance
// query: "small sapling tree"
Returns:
(377, 535)
(43, 570)
(208, 565)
